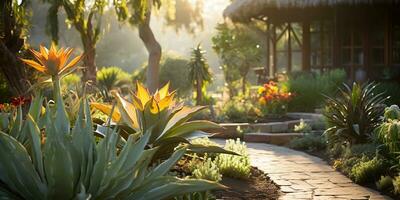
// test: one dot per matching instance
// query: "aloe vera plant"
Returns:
(354, 113)
(168, 122)
(44, 157)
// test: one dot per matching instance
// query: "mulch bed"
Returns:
(258, 186)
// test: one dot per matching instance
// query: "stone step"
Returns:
(271, 138)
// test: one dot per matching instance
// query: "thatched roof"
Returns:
(243, 10)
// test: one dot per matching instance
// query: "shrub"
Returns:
(207, 170)
(173, 69)
(391, 113)
(71, 81)
(302, 127)
(392, 89)
(238, 110)
(368, 171)
(385, 184)
(273, 99)
(109, 78)
(309, 142)
(233, 165)
(308, 89)
(396, 185)
(354, 114)
(388, 131)
(389, 134)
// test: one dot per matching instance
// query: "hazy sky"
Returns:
(120, 44)
(182, 42)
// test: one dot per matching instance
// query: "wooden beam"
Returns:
(306, 46)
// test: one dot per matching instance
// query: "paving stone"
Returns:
(301, 176)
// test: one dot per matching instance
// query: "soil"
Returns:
(257, 187)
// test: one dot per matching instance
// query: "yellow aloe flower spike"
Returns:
(52, 62)
(166, 101)
(142, 93)
(164, 91)
(106, 109)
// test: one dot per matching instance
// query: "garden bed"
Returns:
(258, 186)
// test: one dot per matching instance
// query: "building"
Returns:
(361, 36)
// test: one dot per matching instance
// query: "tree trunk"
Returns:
(244, 85)
(90, 69)
(13, 70)
(154, 50)
(10, 44)
(199, 93)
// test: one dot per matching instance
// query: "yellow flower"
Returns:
(261, 90)
(262, 101)
(52, 62)
(159, 101)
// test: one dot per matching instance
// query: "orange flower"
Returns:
(53, 62)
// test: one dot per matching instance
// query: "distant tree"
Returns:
(239, 51)
(199, 72)
(86, 17)
(138, 13)
(13, 31)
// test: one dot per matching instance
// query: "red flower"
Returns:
(2, 107)
(19, 101)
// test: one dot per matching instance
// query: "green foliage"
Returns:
(235, 166)
(5, 93)
(309, 88)
(385, 184)
(238, 110)
(81, 14)
(109, 78)
(302, 127)
(391, 89)
(207, 170)
(353, 114)
(71, 81)
(368, 171)
(239, 50)
(173, 69)
(66, 162)
(389, 134)
(309, 142)
(204, 141)
(396, 185)
(392, 113)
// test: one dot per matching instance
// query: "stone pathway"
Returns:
(301, 176)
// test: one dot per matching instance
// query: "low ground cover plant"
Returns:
(235, 166)
(210, 165)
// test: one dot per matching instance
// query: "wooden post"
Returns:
(289, 50)
(267, 60)
(336, 40)
(306, 51)
(274, 50)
